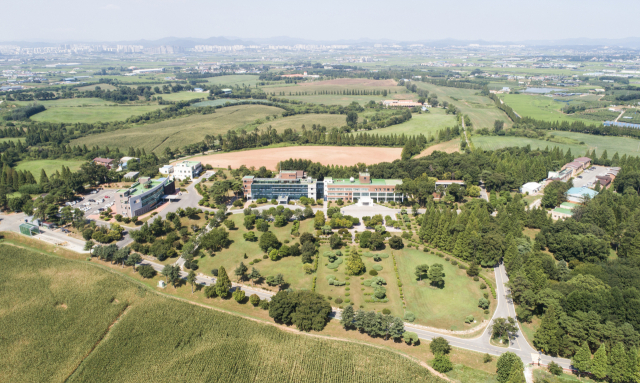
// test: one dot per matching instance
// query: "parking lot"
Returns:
(95, 202)
(588, 177)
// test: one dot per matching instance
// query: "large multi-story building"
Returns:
(365, 189)
(142, 196)
(187, 169)
(288, 184)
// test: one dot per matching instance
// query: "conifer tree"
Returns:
(600, 365)
(43, 177)
(355, 266)
(545, 338)
(618, 364)
(223, 283)
(517, 374)
(347, 318)
(582, 358)
(633, 365)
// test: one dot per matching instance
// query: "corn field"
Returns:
(157, 339)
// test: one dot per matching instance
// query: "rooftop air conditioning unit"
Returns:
(351, 179)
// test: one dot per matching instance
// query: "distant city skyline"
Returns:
(494, 20)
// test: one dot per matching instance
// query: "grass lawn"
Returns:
(49, 166)
(622, 145)
(528, 329)
(481, 110)
(499, 142)
(296, 122)
(446, 307)
(180, 131)
(425, 123)
(539, 107)
(230, 258)
(92, 114)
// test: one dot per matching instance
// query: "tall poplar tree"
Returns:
(600, 364)
(582, 358)
(223, 283)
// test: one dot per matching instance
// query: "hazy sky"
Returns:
(409, 20)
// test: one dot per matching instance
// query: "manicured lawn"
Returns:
(439, 307)
(425, 123)
(49, 166)
(181, 131)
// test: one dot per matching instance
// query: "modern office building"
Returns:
(142, 196)
(365, 189)
(187, 169)
(288, 184)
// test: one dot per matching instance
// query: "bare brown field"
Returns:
(354, 82)
(326, 155)
(447, 147)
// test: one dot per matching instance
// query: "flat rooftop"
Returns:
(140, 188)
(374, 181)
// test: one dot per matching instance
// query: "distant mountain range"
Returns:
(188, 42)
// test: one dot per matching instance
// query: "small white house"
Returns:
(187, 169)
(166, 170)
(531, 188)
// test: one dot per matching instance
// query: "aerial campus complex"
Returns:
(293, 184)
(297, 209)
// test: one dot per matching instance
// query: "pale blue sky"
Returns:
(409, 20)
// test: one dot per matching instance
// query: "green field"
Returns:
(92, 114)
(67, 102)
(180, 131)
(93, 87)
(183, 96)
(444, 308)
(233, 80)
(481, 110)
(540, 107)
(346, 100)
(564, 141)
(73, 321)
(49, 166)
(425, 123)
(296, 122)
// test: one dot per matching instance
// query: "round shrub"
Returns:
(454, 262)
(373, 272)
(486, 311)
(338, 300)
(265, 256)
(409, 316)
(347, 288)
(486, 295)
(447, 259)
(377, 267)
(386, 311)
(483, 286)
(264, 304)
(476, 279)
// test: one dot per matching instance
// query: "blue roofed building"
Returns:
(580, 195)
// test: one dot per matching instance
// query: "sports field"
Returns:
(180, 131)
(49, 166)
(89, 114)
(481, 110)
(326, 155)
(308, 120)
(425, 123)
(73, 321)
